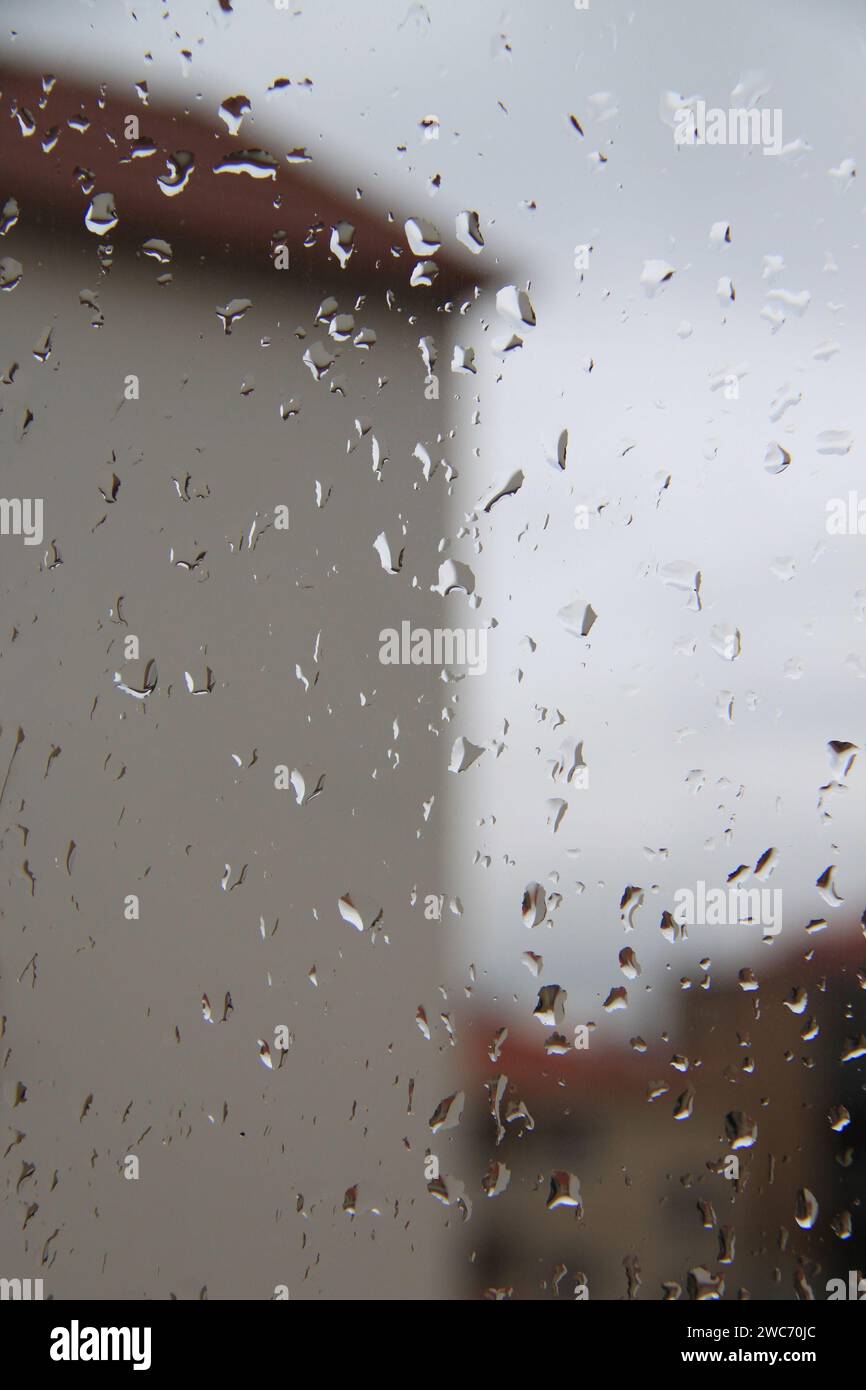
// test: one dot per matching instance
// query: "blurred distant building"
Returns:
(754, 1068)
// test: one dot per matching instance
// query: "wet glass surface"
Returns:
(432, 654)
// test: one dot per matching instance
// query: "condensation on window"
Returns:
(432, 653)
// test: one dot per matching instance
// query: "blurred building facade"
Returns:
(766, 1069)
(171, 381)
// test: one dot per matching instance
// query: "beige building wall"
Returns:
(242, 1170)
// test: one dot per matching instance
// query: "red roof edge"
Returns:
(612, 1065)
(63, 142)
